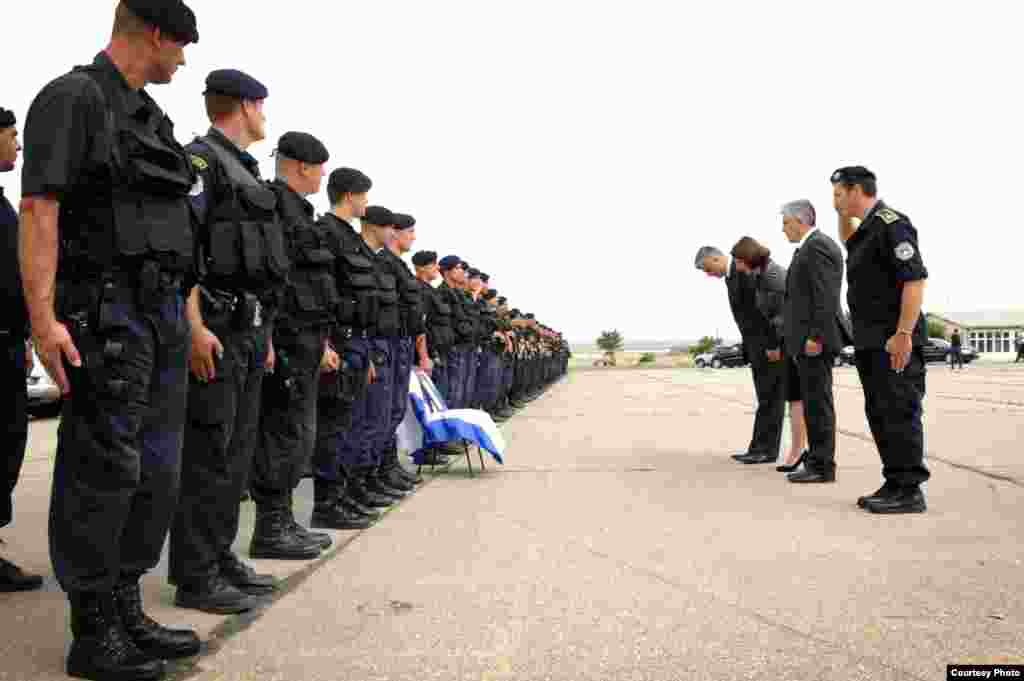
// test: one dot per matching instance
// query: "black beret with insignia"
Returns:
(234, 83)
(424, 258)
(852, 175)
(450, 262)
(7, 118)
(379, 216)
(403, 221)
(301, 146)
(172, 17)
(502, 300)
(348, 181)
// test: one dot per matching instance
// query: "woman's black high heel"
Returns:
(790, 469)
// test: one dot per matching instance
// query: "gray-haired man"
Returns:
(759, 342)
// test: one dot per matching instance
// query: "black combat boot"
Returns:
(160, 643)
(330, 513)
(272, 537)
(243, 577)
(321, 539)
(376, 483)
(101, 649)
(359, 490)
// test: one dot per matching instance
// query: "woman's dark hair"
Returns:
(750, 251)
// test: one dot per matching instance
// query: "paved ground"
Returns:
(621, 542)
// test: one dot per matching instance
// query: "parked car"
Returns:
(44, 398)
(937, 350)
(703, 360)
(728, 356)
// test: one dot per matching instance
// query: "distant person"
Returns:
(956, 354)
(760, 340)
(1020, 349)
(17, 358)
(770, 292)
(814, 335)
(886, 290)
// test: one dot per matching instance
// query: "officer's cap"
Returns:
(852, 175)
(7, 118)
(491, 295)
(704, 252)
(530, 315)
(379, 216)
(348, 181)
(403, 221)
(474, 273)
(234, 83)
(516, 313)
(450, 262)
(485, 277)
(502, 300)
(172, 17)
(424, 258)
(301, 146)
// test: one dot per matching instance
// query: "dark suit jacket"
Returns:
(759, 334)
(812, 296)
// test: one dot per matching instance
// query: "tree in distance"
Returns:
(648, 358)
(611, 342)
(936, 329)
(705, 344)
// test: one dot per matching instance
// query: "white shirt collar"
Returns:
(728, 267)
(807, 236)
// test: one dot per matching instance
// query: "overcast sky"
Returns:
(581, 151)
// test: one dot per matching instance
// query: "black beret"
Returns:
(7, 118)
(485, 277)
(490, 295)
(424, 258)
(170, 16)
(348, 181)
(378, 215)
(403, 221)
(502, 300)
(234, 83)
(516, 313)
(450, 262)
(530, 315)
(301, 146)
(852, 175)
(474, 273)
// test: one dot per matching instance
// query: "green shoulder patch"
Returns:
(888, 216)
(199, 162)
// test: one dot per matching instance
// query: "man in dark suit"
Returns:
(763, 348)
(813, 333)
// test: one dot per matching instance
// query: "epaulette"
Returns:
(888, 216)
(199, 162)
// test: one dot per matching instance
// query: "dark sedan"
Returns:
(728, 356)
(936, 351)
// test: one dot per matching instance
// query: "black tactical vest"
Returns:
(134, 205)
(245, 241)
(475, 320)
(410, 299)
(439, 321)
(311, 297)
(369, 299)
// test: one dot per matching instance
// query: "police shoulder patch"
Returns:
(905, 251)
(199, 162)
(888, 216)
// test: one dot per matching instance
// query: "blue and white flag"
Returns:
(428, 421)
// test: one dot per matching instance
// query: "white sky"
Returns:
(581, 151)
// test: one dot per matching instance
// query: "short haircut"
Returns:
(127, 22)
(219, 107)
(802, 210)
(752, 252)
(706, 252)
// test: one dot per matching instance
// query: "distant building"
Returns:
(987, 331)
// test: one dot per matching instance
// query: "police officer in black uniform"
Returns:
(352, 406)
(886, 277)
(106, 187)
(288, 407)
(437, 343)
(243, 265)
(15, 358)
(413, 329)
(451, 293)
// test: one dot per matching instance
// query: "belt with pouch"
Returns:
(241, 311)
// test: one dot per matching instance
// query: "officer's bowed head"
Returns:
(854, 189)
(712, 262)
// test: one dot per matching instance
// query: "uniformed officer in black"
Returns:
(106, 251)
(433, 351)
(15, 358)
(886, 277)
(243, 265)
(451, 293)
(288, 407)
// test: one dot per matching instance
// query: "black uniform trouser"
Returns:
(14, 411)
(220, 439)
(287, 429)
(770, 386)
(819, 410)
(893, 405)
(115, 479)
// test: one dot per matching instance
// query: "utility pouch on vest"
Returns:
(249, 312)
(388, 320)
(359, 303)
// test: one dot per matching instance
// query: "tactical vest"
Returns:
(875, 294)
(474, 317)
(439, 321)
(312, 296)
(369, 299)
(133, 206)
(245, 241)
(410, 300)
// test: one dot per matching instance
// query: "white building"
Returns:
(993, 332)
